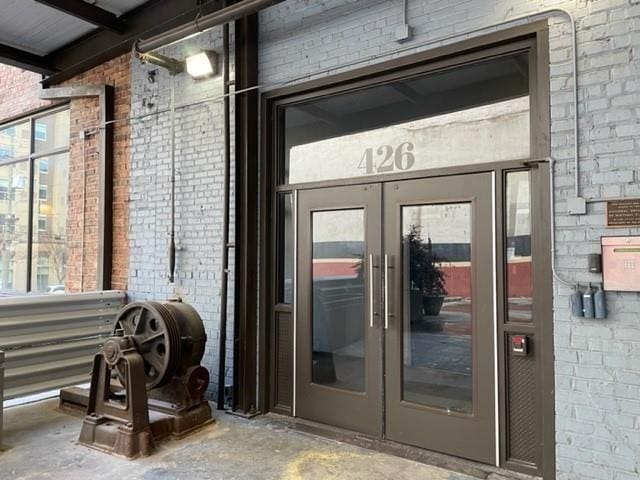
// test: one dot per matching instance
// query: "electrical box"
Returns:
(621, 263)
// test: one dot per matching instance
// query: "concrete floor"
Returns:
(40, 444)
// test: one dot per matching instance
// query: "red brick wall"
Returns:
(19, 95)
(18, 92)
(85, 115)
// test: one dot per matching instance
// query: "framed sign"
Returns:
(623, 213)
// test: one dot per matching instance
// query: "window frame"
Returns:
(34, 168)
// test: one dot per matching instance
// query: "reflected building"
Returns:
(45, 187)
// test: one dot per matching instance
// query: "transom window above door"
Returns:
(471, 114)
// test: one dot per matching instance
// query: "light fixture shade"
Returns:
(203, 64)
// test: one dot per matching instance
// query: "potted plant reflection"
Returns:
(426, 276)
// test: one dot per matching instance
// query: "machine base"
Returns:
(166, 422)
(114, 437)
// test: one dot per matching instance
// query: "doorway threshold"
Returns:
(427, 457)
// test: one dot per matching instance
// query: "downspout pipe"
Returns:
(200, 24)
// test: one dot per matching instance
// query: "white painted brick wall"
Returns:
(597, 362)
(199, 194)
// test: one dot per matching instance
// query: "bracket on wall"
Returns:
(105, 94)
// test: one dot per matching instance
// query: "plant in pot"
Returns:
(425, 272)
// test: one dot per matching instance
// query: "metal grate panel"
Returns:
(284, 361)
(522, 406)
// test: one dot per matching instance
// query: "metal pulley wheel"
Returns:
(169, 336)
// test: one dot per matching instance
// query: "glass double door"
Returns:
(395, 332)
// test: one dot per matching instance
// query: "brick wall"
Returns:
(18, 92)
(597, 363)
(199, 151)
(83, 181)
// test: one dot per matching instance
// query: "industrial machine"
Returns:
(147, 382)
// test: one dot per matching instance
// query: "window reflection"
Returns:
(518, 246)
(437, 296)
(15, 141)
(48, 271)
(14, 213)
(285, 248)
(51, 131)
(472, 114)
(338, 299)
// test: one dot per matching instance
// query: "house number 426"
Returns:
(387, 159)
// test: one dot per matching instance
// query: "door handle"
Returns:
(371, 306)
(387, 313)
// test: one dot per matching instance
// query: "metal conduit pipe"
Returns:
(222, 338)
(199, 25)
(172, 231)
(552, 203)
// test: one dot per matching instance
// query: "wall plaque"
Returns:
(623, 213)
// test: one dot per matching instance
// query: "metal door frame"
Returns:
(535, 35)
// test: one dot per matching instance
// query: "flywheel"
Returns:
(156, 335)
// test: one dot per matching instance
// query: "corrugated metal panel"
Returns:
(39, 29)
(1, 391)
(49, 341)
(36, 28)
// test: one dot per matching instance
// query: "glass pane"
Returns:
(518, 246)
(437, 343)
(285, 248)
(15, 141)
(51, 131)
(472, 114)
(48, 271)
(14, 221)
(338, 299)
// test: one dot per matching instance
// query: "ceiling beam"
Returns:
(89, 13)
(25, 60)
(100, 46)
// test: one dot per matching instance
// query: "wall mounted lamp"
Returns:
(200, 65)
(203, 64)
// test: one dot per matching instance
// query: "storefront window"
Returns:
(14, 222)
(50, 232)
(476, 113)
(37, 178)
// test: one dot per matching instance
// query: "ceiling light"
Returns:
(203, 64)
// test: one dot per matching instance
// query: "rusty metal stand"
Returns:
(118, 423)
